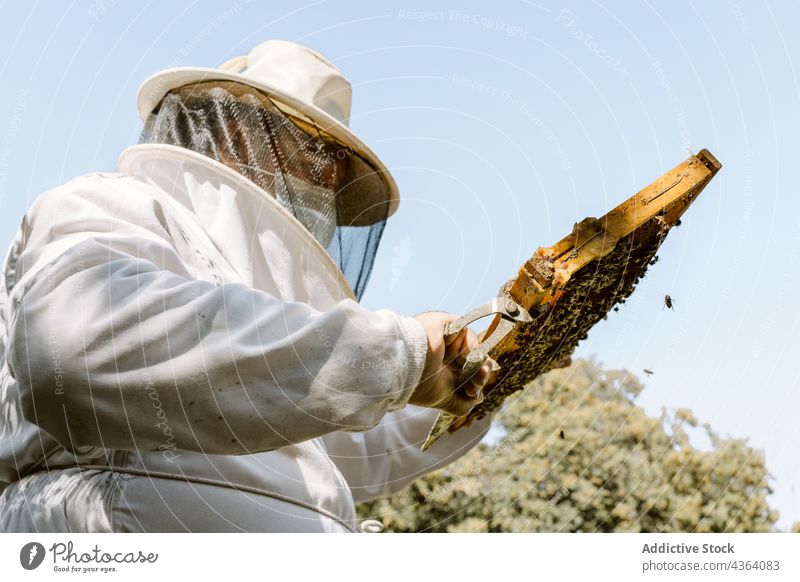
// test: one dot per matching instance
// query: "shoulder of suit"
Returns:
(100, 190)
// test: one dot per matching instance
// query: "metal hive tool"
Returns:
(568, 287)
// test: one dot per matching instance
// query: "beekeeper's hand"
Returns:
(437, 388)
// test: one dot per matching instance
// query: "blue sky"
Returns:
(503, 124)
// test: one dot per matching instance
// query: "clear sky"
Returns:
(504, 123)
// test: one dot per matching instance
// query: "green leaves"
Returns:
(616, 469)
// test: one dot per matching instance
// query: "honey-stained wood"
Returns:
(568, 287)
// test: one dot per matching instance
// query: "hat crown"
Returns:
(298, 71)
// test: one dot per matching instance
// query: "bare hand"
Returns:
(437, 388)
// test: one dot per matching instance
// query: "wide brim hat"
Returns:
(306, 86)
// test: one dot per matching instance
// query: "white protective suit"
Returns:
(176, 324)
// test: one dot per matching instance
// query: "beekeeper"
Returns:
(183, 348)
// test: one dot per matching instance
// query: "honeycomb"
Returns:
(569, 287)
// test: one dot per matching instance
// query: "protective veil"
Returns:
(333, 191)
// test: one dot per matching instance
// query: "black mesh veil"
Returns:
(333, 191)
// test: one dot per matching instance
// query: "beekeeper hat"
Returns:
(301, 81)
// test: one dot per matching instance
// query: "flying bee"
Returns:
(648, 372)
(668, 302)
(561, 435)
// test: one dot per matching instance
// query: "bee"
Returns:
(648, 372)
(668, 302)
(561, 435)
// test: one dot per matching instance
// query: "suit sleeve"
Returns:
(387, 458)
(114, 344)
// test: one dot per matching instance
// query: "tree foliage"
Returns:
(578, 454)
